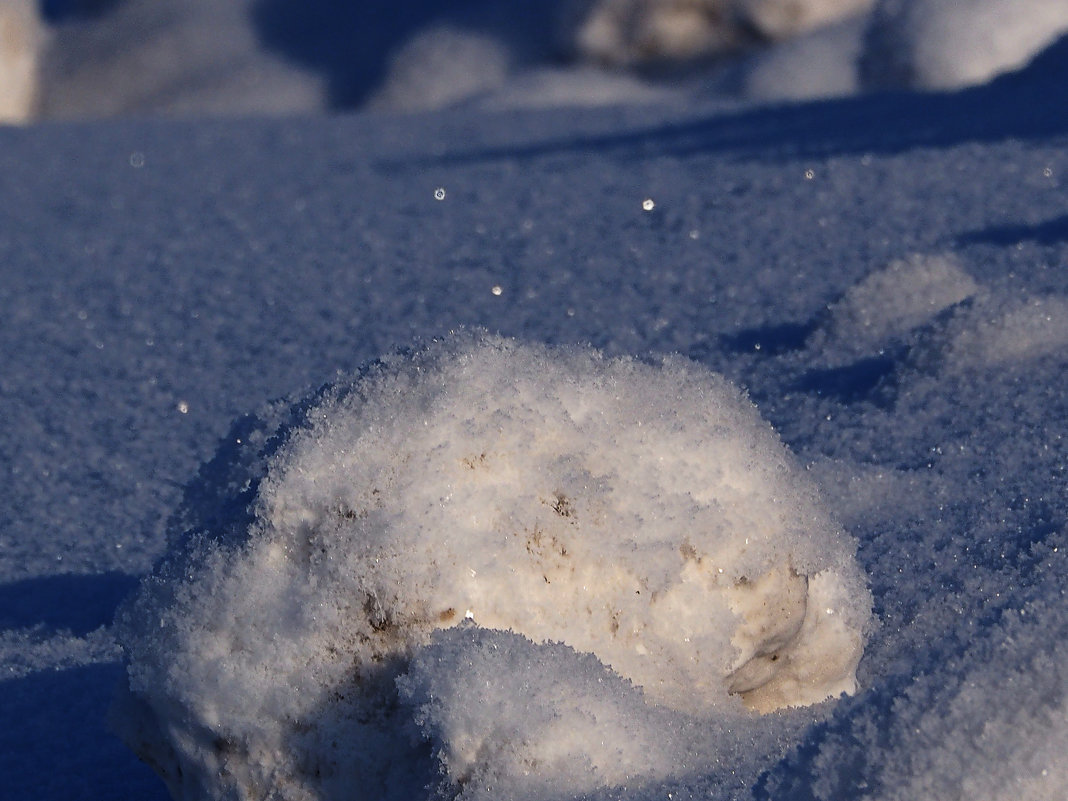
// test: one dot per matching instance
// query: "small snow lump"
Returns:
(641, 514)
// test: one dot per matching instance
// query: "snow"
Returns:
(642, 31)
(891, 302)
(820, 64)
(170, 58)
(882, 276)
(945, 44)
(930, 45)
(20, 34)
(506, 716)
(440, 66)
(146, 57)
(640, 514)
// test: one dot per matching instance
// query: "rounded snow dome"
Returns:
(642, 513)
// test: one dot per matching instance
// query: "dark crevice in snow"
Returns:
(865, 379)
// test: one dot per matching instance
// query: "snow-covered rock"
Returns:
(641, 513)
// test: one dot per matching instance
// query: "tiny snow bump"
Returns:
(648, 204)
(183, 407)
(497, 290)
(439, 193)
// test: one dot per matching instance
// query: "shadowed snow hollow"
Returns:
(642, 514)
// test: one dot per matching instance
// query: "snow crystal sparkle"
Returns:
(641, 514)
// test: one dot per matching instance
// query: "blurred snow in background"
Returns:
(197, 57)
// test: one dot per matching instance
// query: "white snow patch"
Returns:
(441, 65)
(26, 651)
(819, 64)
(893, 301)
(164, 57)
(1010, 333)
(506, 715)
(991, 330)
(642, 514)
(946, 44)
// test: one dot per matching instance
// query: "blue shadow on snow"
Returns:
(75, 603)
(1050, 232)
(55, 743)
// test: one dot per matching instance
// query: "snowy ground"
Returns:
(883, 274)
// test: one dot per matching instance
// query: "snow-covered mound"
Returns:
(441, 65)
(904, 44)
(891, 302)
(641, 513)
(946, 44)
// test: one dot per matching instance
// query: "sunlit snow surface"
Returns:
(161, 280)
